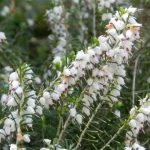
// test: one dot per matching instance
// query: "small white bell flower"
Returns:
(79, 118)
(26, 138)
(73, 112)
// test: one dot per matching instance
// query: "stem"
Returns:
(134, 79)
(115, 135)
(88, 124)
(63, 129)
(68, 119)
(94, 18)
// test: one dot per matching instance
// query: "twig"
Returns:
(134, 79)
(88, 124)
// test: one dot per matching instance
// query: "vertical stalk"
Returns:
(94, 18)
(68, 119)
(134, 80)
(87, 125)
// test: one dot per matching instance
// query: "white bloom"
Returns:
(26, 138)
(47, 141)
(44, 148)
(30, 110)
(46, 95)
(13, 76)
(19, 90)
(90, 81)
(117, 113)
(60, 88)
(115, 92)
(13, 147)
(67, 72)
(8, 69)
(42, 100)
(11, 102)
(5, 11)
(79, 118)
(57, 59)
(39, 110)
(4, 99)
(2, 36)
(9, 124)
(140, 117)
(128, 148)
(86, 111)
(145, 111)
(55, 96)
(73, 112)
(37, 80)
(133, 123)
(80, 55)
(131, 10)
(137, 146)
(30, 22)
(120, 81)
(15, 84)
(31, 102)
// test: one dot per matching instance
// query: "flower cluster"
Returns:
(21, 104)
(57, 19)
(100, 69)
(106, 6)
(139, 116)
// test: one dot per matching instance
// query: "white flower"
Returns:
(145, 111)
(31, 102)
(137, 146)
(90, 81)
(11, 102)
(80, 55)
(19, 90)
(47, 141)
(15, 84)
(26, 138)
(131, 10)
(133, 123)
(115, 92)
(140, 117)
(128, 148)
(2, 37)
(66, 72)
(37, 80)
(30, 22)
(55, 96)
(120, 81)
(73, 112)
(4, 99)
(44, 148)
(8, 69)
(46, 95)
(78, 118)
(13, 76)
(60, 88)
(86, 111)
(13, 147)
(117, 113)
(39, 110)
(42, 100)
(106, 16)
(5, 11)
(30, 110)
